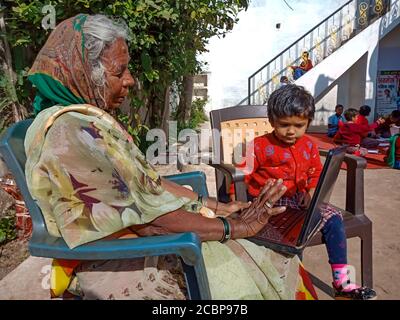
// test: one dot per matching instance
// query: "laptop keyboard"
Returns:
(283, 228)
(271, 233)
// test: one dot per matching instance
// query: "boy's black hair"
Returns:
(365, 110)
(349, 114)
(339, 106)
(396, 114)
(291, 100)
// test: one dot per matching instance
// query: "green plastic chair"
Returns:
(185, 245)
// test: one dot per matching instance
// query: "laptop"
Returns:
(291, 231)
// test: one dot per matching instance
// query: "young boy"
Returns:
(289, 154)
(355, 134)
(393, 119)
(362, 115)
(334, 120)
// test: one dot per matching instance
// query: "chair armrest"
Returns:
(230, 171)
(187, 245)
(195, 179)
(353, 161)
(235, 175)
(354, 182)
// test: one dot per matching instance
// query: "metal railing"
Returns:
(319, 42)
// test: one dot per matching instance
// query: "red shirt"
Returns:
(298, 165)
(397, 150)
(362, 120)
(351, 133)
(306, 66)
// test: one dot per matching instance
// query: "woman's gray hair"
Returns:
(100, 31)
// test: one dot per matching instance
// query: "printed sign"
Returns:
(388, 92)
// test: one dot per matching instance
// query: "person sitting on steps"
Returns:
(304, 66)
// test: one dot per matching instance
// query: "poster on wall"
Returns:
(388, 93)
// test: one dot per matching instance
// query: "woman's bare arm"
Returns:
(213, 204)
(178, 190)
(182, 221)
(247, 224)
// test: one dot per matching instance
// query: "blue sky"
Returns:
(255, 40)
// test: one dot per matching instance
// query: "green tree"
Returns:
(166, 36)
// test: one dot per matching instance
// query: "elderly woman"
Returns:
(92, 182)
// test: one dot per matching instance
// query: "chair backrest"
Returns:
(237, 126)
(13, 151)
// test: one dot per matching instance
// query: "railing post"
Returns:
(326, 38)
(340, 35)
(248, 91)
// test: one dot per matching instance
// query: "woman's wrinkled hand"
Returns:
(256, 216)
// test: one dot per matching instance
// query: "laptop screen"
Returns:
(322, 193)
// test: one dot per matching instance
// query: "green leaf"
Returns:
(3, 236)
(21, 42)
(7, 229)
(146, 61)
(166, 14)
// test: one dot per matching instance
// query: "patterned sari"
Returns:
(91, 181)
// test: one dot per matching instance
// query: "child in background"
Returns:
(304, 66)
(363, 113)
(284, 81)
(362, 120)
(383, 129)
(288, 154)
(355, 134)
(334, 120)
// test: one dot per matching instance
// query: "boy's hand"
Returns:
(305, 201)
(236, 206)
(381, 121)
(231, 207)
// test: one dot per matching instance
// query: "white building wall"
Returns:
(389, 51)
(349, 75)
(351, 85)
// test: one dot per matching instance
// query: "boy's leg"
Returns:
(331, 135)
(335, 240)
(369, 143)
(336, 244)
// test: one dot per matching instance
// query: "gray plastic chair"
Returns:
(356, 222)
